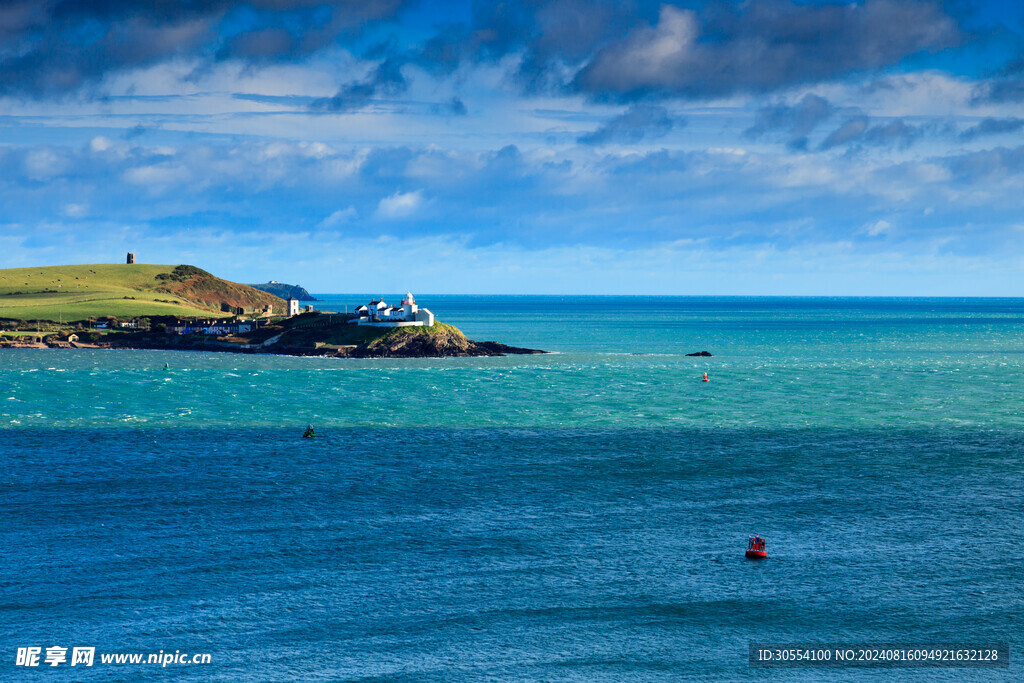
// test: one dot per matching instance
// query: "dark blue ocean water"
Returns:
(575, 516)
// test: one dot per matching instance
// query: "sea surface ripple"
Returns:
(574, 516)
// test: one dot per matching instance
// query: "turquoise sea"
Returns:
(573, 516)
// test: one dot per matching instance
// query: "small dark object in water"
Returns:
(309, 433)
(702, 354)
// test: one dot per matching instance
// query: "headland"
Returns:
(145, 306)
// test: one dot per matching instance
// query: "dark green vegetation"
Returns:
(310, 328)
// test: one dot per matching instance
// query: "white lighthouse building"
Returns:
(378, 314)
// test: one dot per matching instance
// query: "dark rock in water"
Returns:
(494, 348)
(702, 354)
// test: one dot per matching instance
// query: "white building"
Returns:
(293, 306)
(378, 314)
(375, 309)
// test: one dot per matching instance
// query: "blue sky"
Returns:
(757, 147)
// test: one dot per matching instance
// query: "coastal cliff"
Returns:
(284, 291)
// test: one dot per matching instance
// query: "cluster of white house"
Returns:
(375, 314)
(214, 327)
(378, 314)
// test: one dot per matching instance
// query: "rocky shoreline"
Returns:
(308, 334)
(412, 346)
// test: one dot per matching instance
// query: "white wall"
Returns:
(425, 317)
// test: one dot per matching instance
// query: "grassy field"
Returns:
(79, 292)
(356, 334)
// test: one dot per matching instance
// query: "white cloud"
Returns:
(652, 53)
(43, 164)
(156, 175)
(400, 204)
(339, 218)
(878, 228)
(75, 210)
(100, 144)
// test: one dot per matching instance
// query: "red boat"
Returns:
(755, 548)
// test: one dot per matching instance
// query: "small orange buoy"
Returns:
(756, 548)
(705, 378)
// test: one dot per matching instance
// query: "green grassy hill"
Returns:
(302, 330)
(122, 291)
